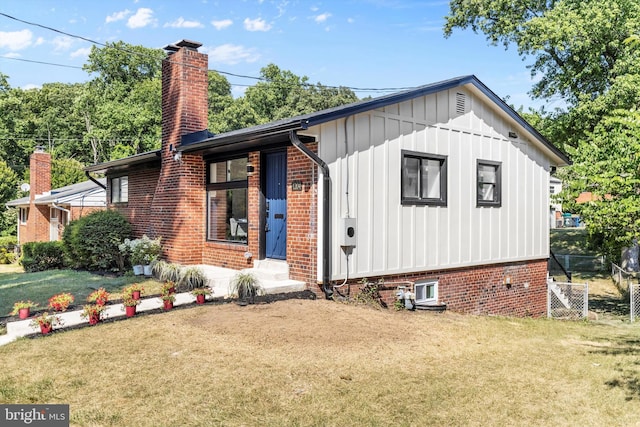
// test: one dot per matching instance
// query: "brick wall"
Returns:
(177, 211)
(302, 216)
(142, 185)
(480, 289)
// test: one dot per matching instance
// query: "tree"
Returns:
(607, 165)
(66, 172)
(8, 191)
(577, 45)
(283, 94)
(120, 62)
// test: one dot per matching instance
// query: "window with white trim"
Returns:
(227, 200)
(24, 215)
(426, 292)
(424, 179)
(120, 189)
(489, 183)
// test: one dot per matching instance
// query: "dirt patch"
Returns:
(313, 324)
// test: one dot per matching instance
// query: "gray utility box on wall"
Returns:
(348, 232)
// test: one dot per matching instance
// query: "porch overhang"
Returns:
(151, 158)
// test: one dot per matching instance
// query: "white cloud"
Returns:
(15, 40)
(84, 52)
(117, 16)
(31, 86)
(231, 54)
(350, 20)
(142, 18)
(62, 43)
(39, 41)
(257, 24)
(322, 17)
(182, 23)
(221, 25)
(12, 55)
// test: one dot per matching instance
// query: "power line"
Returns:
(243, 76)
(40, 62)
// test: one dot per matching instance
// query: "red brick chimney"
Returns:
(39, 183)
(178, 207)
(185, 85)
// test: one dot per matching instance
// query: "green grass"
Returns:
(15, 285)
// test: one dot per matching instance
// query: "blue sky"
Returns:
(356, 43)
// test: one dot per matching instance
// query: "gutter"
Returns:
(95, 181)
(326, 181)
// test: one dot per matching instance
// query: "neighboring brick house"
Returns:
(43, 215)
(443, 187)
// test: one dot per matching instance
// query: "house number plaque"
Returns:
(296, 185)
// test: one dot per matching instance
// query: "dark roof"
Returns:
(276, 133)
(277, 130)
(127, 162)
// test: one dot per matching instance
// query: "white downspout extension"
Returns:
(53, 205)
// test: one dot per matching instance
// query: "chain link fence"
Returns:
(582, 263)
(567, 300)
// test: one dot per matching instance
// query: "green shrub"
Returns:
(41, 256)
(91, 242)
(7, 248)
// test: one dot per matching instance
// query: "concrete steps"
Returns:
(273, 276)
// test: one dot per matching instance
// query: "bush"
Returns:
(7, 248)
(91, 242)
(41, 256)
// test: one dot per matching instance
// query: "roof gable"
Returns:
(301, 122)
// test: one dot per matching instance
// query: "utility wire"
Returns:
(243, 76)
(40, 62)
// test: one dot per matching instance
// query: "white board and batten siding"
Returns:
(392, 238)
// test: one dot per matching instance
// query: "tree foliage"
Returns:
(607, 165)
(118, 113)
(577, 45)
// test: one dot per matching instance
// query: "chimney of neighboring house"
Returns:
(39, 183)
(178, 206)
(39, 173)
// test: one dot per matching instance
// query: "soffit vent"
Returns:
(461, 103)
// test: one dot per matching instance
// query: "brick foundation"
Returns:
(478, 290)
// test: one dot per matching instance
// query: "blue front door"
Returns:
(275, 166)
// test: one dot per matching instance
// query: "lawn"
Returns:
(15, 285)
(321, 363)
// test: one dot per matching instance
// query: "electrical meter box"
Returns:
(348, 236)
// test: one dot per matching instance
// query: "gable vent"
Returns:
(461, 103)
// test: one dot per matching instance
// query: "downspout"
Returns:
(53, 205)
(326, 181)
(95, 181)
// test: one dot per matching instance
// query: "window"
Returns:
(424, 179)
(120, 189)
(489, 190)
(426, 292)
(24, 215)
(227, 200)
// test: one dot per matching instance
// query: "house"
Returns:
(555, 208)
(443, 188)
(43, 215)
